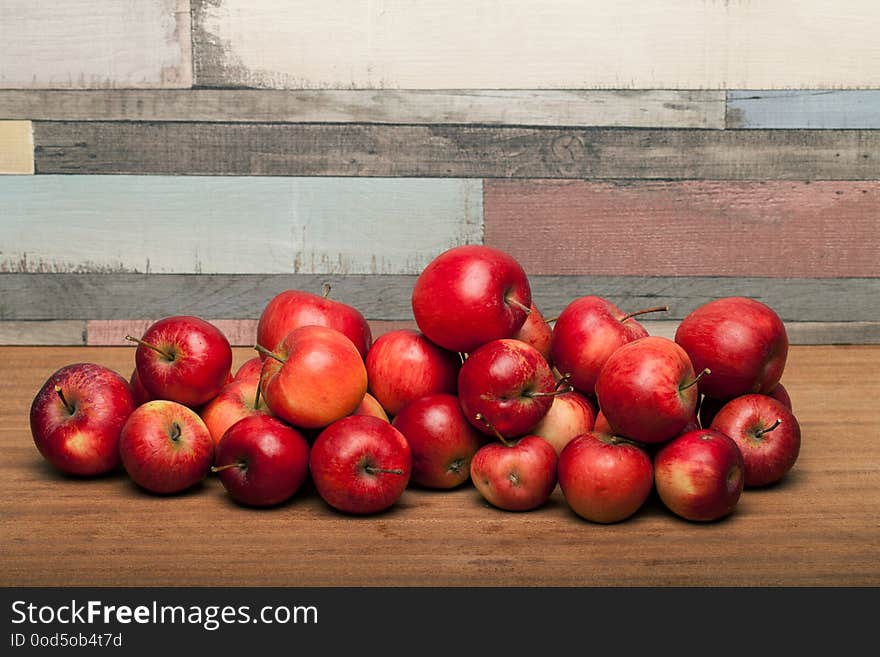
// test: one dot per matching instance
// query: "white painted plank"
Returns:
(254, 225)
(88, 44)
(522, 44)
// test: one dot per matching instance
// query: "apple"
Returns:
(236, 400)
(571, 414)
(183, 359)
(165, 447)
(601, 424)
(515, 476)
(699, 475)
(140, 394)
(647, 390)
(261, 461)
(404, 365)
(360, 464)
(536, 331)
(442, 441)
(314, 377)
(741, 340)
(709, 407)
(506, 385)
(292, 309)
(77, 416)
(470, 295)
(370, 406)
(605, 478)
(250, 369)
(767, 434)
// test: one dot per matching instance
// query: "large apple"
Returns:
(360, 464)
(165, 447)
(314, 377)
(236, 400)
(183, 359)
(767, 434)
(470, 295)
(292, 309)
(404, 365)
(77, 416)
(515, 476)
(742, 341)
(605, 478)
(536, 331)
(571, 414)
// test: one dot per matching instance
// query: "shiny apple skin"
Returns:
(517, 477)
(234, 402)
(536, 332)
(140, 394)
(249, 370)
(571, 414)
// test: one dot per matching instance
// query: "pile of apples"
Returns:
(486, 390)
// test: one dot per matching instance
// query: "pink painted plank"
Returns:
(693, 228)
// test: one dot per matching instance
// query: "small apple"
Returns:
(536, 332)
(360, 464)
(605, 478)
(261, 461)
(165, 447)
(250, 370)
(515, 476)
(571, 414)
(236, 400)
(140, 394)
(77, 416)
(709, 407)
(699, 475)
(370, 406)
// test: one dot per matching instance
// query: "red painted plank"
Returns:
(693, 228)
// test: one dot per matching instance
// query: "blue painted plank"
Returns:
(857, 109)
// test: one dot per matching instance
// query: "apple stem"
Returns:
(761, 432)
(463, 355)
(221, 468)
(563, 381)
(550, 320)
(694, 382)
(517, 304)
(620, 440)
(270, 354)
(655, 309)
(482, 418)
(555, 392)
(175, 431)
(374, 470)
(70, 409)
(257, 396)
(325, 290)
(151, 346)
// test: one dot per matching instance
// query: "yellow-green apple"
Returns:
(508, 384)
(605, 478)
(250, 369)
(442, 441)
(571, 414)
(404, 365)
(742, 341)
(699, 475)
(314, 377)
(77, 416)
(360, 464)
(536, 331)
(515, 476)
(183, 359)
(236, 400)
(165, 447)
(709, 406)
(647, 390)
(470, 295)
(370, 406)
(767, 434)
(261, 461)
(292, 309)
(140, 394)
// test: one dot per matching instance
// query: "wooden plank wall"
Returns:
(174, 156)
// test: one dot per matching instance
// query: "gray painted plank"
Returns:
(134, 296)
(592, 107)
(799, 332)
(453, 151)
(49, 332)
(159, 224)
(814, 108)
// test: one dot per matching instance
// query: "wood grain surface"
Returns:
(804, 108)
(453, 151)
(818, 527)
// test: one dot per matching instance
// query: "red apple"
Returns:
(470, 295)
(506, 385)
(250, 370)
(236, 400)
(370, 406)
(442, 441)
(261, 461)
(314, 377)
(741, 340)
(517, 476)
(585, 335)
(140, 394)
(571, 414)
(699, 475)
(292, 309)
(647, 390)
(183, 359)
(536, 332)
(165, 447)
(77, 416)
(767, 434)
(360, 464)
(605, 478)
(709, 407)
(404, 365)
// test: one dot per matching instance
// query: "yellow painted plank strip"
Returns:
(16, 147)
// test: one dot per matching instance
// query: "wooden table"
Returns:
(821, 526)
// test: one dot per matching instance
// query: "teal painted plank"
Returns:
(804, 109)
(254, 225)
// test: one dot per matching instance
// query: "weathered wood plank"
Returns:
(243, 296)
(595, 107)
(769, 228)
(47, 332)
(89, 44)
(453, 151)
(813, 108)
(16, 147)
(157, 224)
(521, 44)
